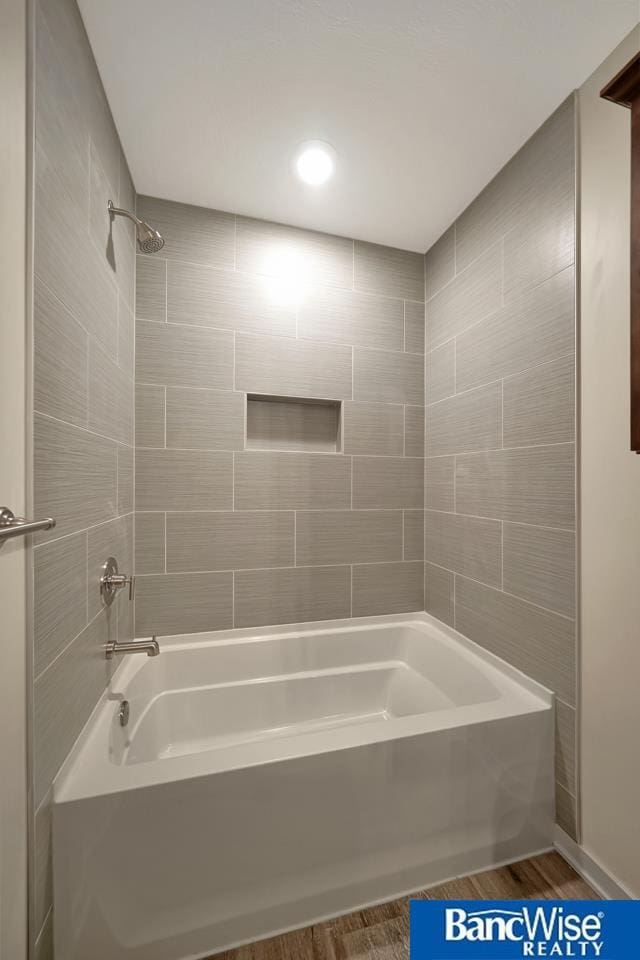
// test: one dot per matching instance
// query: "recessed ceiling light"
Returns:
(315, 162)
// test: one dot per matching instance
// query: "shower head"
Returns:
(149, 240)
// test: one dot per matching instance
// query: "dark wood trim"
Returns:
(624, 89)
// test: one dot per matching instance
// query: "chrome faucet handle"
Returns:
(111, 581)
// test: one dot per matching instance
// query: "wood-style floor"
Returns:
(382, 932)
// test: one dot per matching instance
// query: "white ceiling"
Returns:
(424, 100)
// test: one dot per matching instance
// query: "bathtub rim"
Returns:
(97, 776)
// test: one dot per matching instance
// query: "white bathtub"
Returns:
(271, 778)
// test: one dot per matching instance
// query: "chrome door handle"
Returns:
(12, 526)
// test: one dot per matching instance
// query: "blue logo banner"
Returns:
(515, 929)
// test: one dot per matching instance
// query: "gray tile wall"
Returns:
(231, 534)
(500, 426)
(84, 301)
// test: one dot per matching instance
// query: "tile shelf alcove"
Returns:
(293, 423)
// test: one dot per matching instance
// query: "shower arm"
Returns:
(119, 212)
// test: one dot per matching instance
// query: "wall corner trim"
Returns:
(589, 869)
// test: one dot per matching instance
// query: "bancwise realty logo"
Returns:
(513, 929)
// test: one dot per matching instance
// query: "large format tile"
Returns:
(530, 485)
(413, 535)
(414, 431)
(64, 696)
(474, 293)
(181, 356)
(126, 338)
(113, 539)
(44, 943)
(380, 588)
(75, 271)
(279, 251)
(388, 271)
(566, 746)
(184, 480)
(538, 327)
(540, 643)
(195, 234)
(292, 595)
(439, 593)
(467, 422)
(60, 127)
(60, 357)
(292, 481)
(229, 541)
(75, 477)
(150, 415)
(356, 536)
(383, 376)
(440, 262)
(125, 479)
(539, 565)
(414, 327)
(110, 234)
(227, 300)
(74, 53)
(441, 372)
(151, 288)
(149, 542)
(283, 366)
(538, 174)
(111, 397)
(373, 428)
(466, 545)
(542, 245)
(205, 419)
(347, 316)
(439, 483)
(60, 596)
(177, 603)
(42, 890)
(566, 811)
(539, 404)
(387, 483)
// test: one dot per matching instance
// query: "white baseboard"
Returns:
(597, 877)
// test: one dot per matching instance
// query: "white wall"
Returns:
(13, 165)
(610, 550)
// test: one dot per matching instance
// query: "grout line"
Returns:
(454, 601)
(404, 326)
(300, 566)
(351, 590)
(166, 291)
(479, 516)
(455, 248)
(295, 537)
(71, 642)
(475, 453)
(233, 598)
(235, 241)
(513, 596)
(257, 335)
(455, 485)
(165, 542)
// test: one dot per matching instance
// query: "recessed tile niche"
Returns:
(292, 423)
